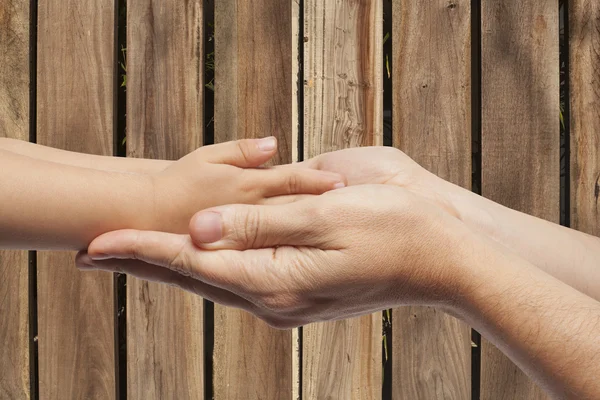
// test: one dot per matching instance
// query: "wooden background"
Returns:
(475, 98)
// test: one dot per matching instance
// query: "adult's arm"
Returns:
(568, 255)
(367, 248)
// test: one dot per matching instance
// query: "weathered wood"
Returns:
(584, 27)
(253, 98)
(14, 123)
(432, 124)
(164, 120)
(74, 96)
(343, 97)
(520, 138)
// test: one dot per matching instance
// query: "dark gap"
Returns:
(33, 329)
(476, 116)
(300, 83)
(565, 120)
(209, 72)
(209, 346)
(386, 352)
(300, 360)
(34, 386)
(209, 139)
(387, 74)
(120, 150)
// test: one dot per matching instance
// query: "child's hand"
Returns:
(229, 173)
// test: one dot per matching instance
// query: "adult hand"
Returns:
(345, 253)
(229, 173)
(386, 165)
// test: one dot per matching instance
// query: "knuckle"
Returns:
(279, 304)
(250, 227)
(294, 183)
(180, 262)
(244, 150)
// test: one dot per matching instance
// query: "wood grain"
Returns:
(520, 138)
(165, 88)
(343, 108)
(432, 124)
(75, 112)
(584, 28)
(14, 123)
(253, 98)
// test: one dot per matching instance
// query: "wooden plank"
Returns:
(14, 123)
(74, 95)
(253, 98)
(164, 120)
(584, 28)
(432, 124)
(520, 138)
(343, 106)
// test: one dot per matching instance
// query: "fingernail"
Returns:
(339, 185)
(100, 257)
(267, 144)
(207, 227)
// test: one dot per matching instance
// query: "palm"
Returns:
(369, 165)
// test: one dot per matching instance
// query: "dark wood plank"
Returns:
(74, 94)
(253, 98)
(432, 124)
(520, 138)
(164, 120)
(343, 97)
(14, 123)
(584, 42)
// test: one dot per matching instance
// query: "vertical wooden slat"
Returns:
(14, 123)
(520, 138)
(432, 124)
(343, 108)
(164, 120)
(253, 98)
(75, 112)
(584, 27)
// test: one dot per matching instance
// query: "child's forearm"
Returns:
(104, 163)
(47, 205)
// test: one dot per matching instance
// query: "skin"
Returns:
(104, 163)
(564, 253)
(49, 205)
(367, 248)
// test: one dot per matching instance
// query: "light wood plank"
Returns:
(520, 138)
(253, 98)
(165, 355)
(14, 123)
(584, 30)
(74, 95)
(343, 107)
(432, 124)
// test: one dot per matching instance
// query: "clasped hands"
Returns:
(340, 235)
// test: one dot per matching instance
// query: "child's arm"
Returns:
(104, 163)
(47, 205)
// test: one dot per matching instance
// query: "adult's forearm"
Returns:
(568, 255)
(105, 163)
(47, 205)
(549, 329)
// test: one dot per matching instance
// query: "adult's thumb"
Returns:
(243, 227)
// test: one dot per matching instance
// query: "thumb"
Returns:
(245, 153)
(242, 227)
